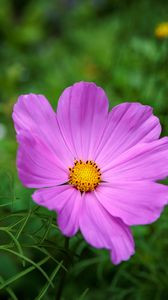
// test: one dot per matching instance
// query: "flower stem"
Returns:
(63, 275)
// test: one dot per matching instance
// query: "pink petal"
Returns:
(101, 230)
(82, 114)
(37, 164)
(136, 203)
(128, 124)
(66, 201)
(34, 114)
(143, 162)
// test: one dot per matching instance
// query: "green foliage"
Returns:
(46, 46)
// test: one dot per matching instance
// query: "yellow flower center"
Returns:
(85, 176)
(161, 30)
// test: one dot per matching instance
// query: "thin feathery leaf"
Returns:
(24, 224)
(9, 290)
(47, 229)
(84, 294)
(44, 251)
(30, 261)
(23, 273)
(13, 239)
(46, 286)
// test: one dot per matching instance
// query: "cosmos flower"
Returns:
(161, 30)
(97, 169)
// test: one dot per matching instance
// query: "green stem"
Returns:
(63, 276)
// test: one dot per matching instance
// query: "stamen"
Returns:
(85, 176)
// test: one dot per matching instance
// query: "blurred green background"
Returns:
(44, 47)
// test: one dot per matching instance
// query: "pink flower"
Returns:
(97, 169)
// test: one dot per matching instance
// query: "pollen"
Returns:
(85, 176)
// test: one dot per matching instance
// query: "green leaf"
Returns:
(84, 294)
(46, 286)
(30, 261)
(9, 290)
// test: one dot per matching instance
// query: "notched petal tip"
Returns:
(84, 84)
(28, 110)
(118, 258)
(104, 231)
(82, 113)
